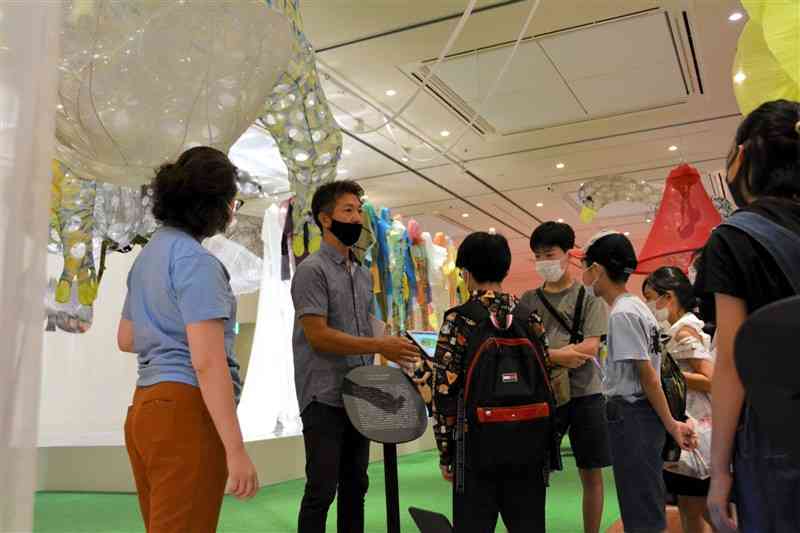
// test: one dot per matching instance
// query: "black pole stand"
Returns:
(392, 488)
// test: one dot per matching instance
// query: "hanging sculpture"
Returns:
(685, 219)
(141, 81)
(73, 209)
(243, 266)
(596, 194)
(247, 232)
(424, 295)
(299, 118)
(767, 62)
(719, 197)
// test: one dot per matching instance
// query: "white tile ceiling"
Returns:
(610, 68)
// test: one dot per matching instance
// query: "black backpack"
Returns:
(506, 408)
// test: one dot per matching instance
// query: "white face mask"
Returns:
(590, 288)
(662, 315)
(551, 271)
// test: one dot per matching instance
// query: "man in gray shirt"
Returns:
(576, 376)
(332, 297)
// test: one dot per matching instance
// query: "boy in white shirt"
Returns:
(638, 414)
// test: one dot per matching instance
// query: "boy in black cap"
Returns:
(637, 409)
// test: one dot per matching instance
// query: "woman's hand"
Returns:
(719, 506)
(242, 475)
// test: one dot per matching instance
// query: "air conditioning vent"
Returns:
(615, 67)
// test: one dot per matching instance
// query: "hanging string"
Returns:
(446, 50)
(481, 106)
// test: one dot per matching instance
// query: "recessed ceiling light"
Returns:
(648, 220)
(735, 16)
(364, 198)
(444, 133)
(560, 165)
(492, 231)
(673, 148)
(391, 92)
(347, 152)
(539, 204)
(342, 171)
(739, 77)
(465, 215)
(560, 220)
(404, 159)
(627, 233)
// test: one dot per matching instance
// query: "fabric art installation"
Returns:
(682, 225)
(596, 194)
(298, 116)
(125, 106)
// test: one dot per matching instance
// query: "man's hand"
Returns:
(447, 473)
(399, 350)
(569, 358)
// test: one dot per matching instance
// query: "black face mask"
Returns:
(736, 186)
(347, 233)
(739, 181)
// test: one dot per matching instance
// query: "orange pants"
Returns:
(177, 457)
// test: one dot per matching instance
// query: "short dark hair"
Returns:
(194, 193)
(771, 141)
(616, 254)
(486, 256)
(671, 278)
(326, 196)
(553, 234)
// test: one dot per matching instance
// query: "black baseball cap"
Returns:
(614, 251)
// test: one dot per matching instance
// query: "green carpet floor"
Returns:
(274, 510)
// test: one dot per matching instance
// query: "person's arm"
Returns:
(204, 299)
(681, 432)
(699, 379)
(125, 336)
(447, 383)
(207, 349)
(575, 355)
(595, 325)
(727, 399)
(590, 346)
(325, 339)
(310, 299)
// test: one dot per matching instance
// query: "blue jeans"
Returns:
(766, 482)
(637, 438)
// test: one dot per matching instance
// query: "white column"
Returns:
(29, 35)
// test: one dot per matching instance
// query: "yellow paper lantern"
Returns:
(767, 62)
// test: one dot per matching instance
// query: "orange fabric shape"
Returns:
(682, 225)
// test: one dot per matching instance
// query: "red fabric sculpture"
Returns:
(682, 225)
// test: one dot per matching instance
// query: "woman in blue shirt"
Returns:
(182, 434)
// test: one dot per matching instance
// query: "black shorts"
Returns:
(686, 486)
(585, 420)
